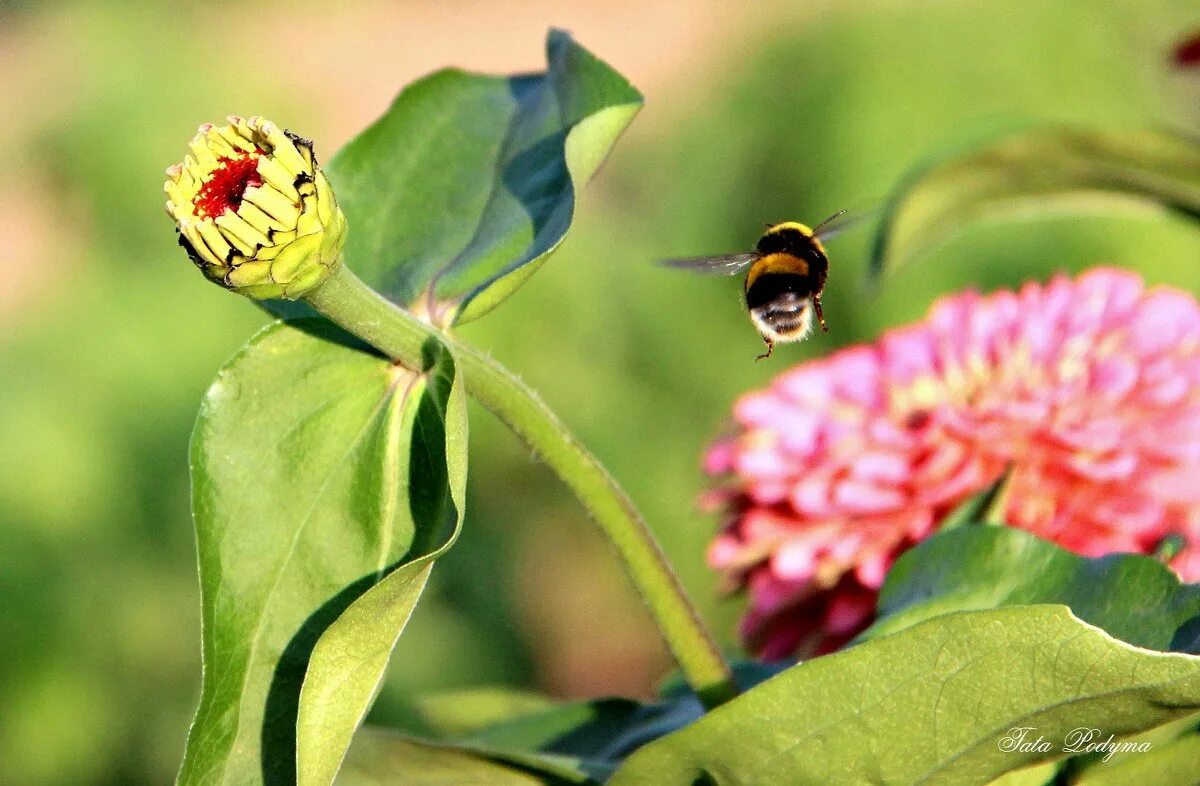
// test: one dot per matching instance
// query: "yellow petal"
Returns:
(325, 200)
(258, 219)
(233, 136)
(231, 222)
(204, 156)
(309, 222)
(279, 178)
(219, 147)
(284, 150)
(194, 169)
(192, 232)
(215, 240)
(248, 130)
(180, 197)
(273, 204)
(241, 246)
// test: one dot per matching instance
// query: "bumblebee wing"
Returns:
(723, 265)
(840, 222)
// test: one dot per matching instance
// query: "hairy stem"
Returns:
(359, 309)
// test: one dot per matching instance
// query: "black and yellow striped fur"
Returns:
(785, 275)
(784, 284)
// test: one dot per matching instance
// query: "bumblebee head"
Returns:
(786, 237)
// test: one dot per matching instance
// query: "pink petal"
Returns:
(857, 497)
(1088, 387)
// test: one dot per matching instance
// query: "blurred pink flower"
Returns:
(1088, 388)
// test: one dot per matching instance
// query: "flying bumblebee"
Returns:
(785, 275)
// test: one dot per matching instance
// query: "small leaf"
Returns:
(583, 741)
(1134, 598)
(460, 712)
(977, 509)
(380, 757)
(932, 704)
(1034, 173)
(325, 479)
(468, 182)
(596, 735)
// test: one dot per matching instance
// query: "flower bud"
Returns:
(254, 211)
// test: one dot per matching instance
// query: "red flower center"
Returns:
(228, 183)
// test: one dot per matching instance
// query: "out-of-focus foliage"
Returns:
(99, 379)
(1040, 172)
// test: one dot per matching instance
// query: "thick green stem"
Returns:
(356, 307)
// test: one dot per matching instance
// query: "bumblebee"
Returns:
(785, 275)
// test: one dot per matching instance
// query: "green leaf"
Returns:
(1134, 598)
(325, 480)
(931, 704)
(468, 182)
(581, 741)
(380, 757)
(460, 712)
(985, 507)
(1172, 764)
(1037, 775)
(1136, 746)
(593, 735)
(540, 744)
(1035, 173)
(349, 660)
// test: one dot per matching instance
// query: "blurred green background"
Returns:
(108, 337)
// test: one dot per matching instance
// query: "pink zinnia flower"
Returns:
(1088, 388)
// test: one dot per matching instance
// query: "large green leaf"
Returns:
(1037, 172)
(1153, 750)
(1135, 598)
(931, 704)
(325, 479)
(1174, 763)
(468, 182)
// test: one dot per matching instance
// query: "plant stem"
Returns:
(346, 300)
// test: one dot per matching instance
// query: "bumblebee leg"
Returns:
(770, 348)
(820, 313)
